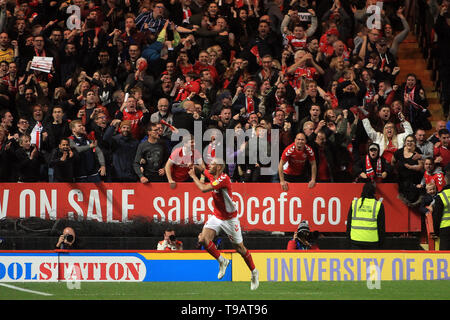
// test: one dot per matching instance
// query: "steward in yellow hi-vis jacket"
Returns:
(365, 221)
(441, 215)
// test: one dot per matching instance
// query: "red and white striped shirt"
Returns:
(295, 42)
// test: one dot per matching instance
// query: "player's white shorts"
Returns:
(231, 227)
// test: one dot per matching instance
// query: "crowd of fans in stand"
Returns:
(136, 72)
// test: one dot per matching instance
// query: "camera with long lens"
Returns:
(172, 237)
(68, 237)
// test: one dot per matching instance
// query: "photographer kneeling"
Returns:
(67, 240)
(170, 241)
(303, 238)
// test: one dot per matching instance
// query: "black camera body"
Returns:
(308, 236)
(303, 234)
(172, 237)
(68, 237)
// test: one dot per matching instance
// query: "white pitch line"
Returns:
(25, 290)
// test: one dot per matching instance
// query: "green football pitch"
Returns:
(349, 290)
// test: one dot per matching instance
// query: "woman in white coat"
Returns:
(388, 140)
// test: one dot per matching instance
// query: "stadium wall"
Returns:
(252, 242)
(132, 266)
(261, 206)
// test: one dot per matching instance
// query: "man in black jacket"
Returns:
(62, 160)
(123, 149)
(266, 42)
(151, 156)
(324, 155)
(57, 128)
(91, 164)
(29, 160)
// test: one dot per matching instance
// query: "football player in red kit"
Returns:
(224, 218)
(292, 166)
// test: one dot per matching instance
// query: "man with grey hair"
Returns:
(164, 116)
(424, 145)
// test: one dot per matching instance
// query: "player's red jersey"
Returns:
(436, 176)
(181, 160)
(296, 159)
(224, 207)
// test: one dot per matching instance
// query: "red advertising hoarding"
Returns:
(261, 206)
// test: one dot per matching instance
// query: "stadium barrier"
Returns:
(430, 230)
(142, 266)
(261, 206)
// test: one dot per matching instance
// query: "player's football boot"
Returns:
(255, 280)
(223, 264)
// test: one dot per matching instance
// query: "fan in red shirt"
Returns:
(300, 69)
(192, 84)
(203, 63)
(224, 218)
(183, 63)
(327, 40)
(292, 166)
(297, 40)
(180, 160)
(442, 153)
(138, 118)
(432, 175)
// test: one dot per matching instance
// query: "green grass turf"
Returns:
(349, 290)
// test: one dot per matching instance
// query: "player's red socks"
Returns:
(249, 260)
(212, 250)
